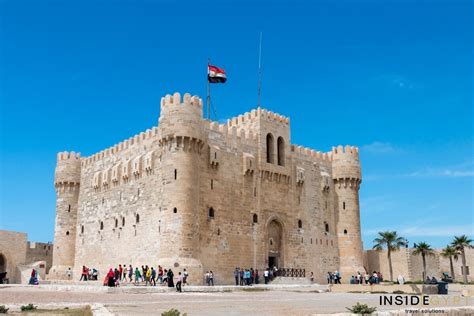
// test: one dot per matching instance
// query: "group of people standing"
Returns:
(250, 276)
(145, 274)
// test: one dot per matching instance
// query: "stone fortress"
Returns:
(195, 194)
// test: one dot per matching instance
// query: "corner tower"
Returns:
(66, 182)
(182, 156)
(347, 178)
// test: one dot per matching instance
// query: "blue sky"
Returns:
(392, 77)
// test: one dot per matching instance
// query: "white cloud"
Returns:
(379, 148)
(457, 171)
(427, 231)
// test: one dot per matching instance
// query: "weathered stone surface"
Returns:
(195, 194)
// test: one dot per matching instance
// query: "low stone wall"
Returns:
(450, 311)
(406, 288)
(464, 289)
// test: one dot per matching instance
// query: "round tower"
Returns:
(347, 178)
(67, 181)
(182, 157)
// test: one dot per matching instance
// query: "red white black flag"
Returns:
(216, 74)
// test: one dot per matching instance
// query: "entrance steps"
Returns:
(291, 280)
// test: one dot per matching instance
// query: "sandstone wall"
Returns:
(13, 251)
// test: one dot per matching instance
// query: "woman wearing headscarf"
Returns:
(111, 278)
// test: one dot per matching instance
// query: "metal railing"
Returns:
(290, 272)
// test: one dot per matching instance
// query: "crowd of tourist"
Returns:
(374, 278)
(250, 276)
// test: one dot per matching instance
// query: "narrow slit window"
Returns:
(175, 174)
(300, 224)
(175, 210)
(343, 205)
(211, 213)
(137, 218)
(255, 218)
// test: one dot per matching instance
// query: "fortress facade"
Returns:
(195, 194)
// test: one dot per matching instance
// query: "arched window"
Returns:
(345, 231)
(255, 218)
(270, 148)
(101, 225)
(211, 212)
(281, 151)
(175, 210)
(300, 224)
(137, 218)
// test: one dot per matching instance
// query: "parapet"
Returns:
(68, 168)
(346, 163)
(257, 113)
(173, 104)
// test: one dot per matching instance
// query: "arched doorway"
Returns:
(3, 263)
(275, 244)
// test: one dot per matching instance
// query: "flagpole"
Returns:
(259, 71)
(208, 91)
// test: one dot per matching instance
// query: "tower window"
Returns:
(345, 231)
(343, 205)
(137, 218)
(270, 148)
(281, 151)
(67, 233)
(326, 227)
(211, 213)
(69, 208)
(255, 218)
(123, 221)
(175, 174)
(212, 184)
(101, 225)
(82, 229)
(116, 222)
(300, 224)
(175, 210)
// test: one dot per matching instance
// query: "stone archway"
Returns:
(3, 263)
(275, 243)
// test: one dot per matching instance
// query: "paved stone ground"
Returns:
(276, 302)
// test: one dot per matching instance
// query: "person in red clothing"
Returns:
(120, 270)
(111, 278)
(85, 273)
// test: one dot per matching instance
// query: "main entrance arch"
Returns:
(275, 243)
(3, 263)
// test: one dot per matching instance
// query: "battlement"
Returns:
(341, 152)
(65, 155)
(175, 99)
(134, 140)
(258, 113)
(310, 153)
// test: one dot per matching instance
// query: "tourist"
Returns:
(211, 278)
(337, 277)
(147, 276)
(130, 273)
(329, 277)
(143, 274)
(84, 273)
(352, 280)
(179, 282)
(185, 277)
(266, 275)
(236, 275)
(366, 277)
(242, 276)
(111, 278)
(137, 276)
(311, 277)
(257, 277)
(32, 277)
(169, 277)
(160, 274)
(359, 278)
(248, 275)
(95, 274)
(206, 277)
(120, 270)
(252, 276)
(401, 279)
(153, 276)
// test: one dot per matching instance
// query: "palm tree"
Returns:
(460, 243)
(392, 242)
(424, 250)
(450, 252)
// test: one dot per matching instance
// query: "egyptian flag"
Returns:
(216, 74)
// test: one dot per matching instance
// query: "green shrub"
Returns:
(173, 312)
(362, 309)
(398, 292)
(3, 309)
(29, 307)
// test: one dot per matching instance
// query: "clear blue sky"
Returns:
(392, 77)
